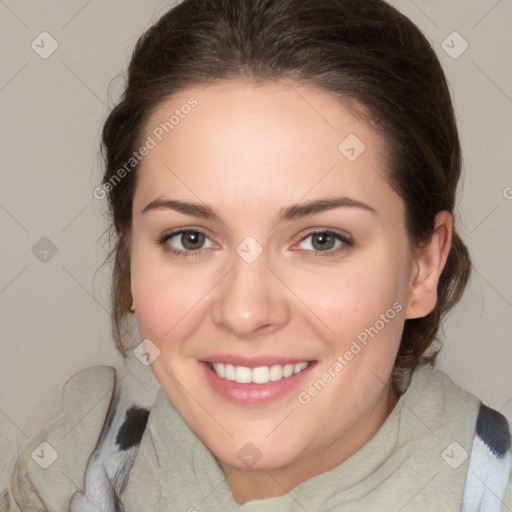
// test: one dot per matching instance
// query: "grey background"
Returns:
(54, 313)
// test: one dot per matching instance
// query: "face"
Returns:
(266, 240)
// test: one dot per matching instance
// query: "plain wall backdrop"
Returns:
(54, 300)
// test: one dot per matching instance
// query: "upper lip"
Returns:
(253, 362)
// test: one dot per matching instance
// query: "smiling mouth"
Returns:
(258, 375)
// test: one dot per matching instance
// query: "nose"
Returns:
(250, 300)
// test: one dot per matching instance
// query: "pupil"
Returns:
(322, 240)
(191, 239)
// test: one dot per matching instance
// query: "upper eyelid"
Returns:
(314, 231)
(178, 231)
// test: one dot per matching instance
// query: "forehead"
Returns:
(247, 144)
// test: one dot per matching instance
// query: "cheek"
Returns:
(359, 310)
(168, 297)
(350, 300)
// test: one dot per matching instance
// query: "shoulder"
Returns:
(51, 465)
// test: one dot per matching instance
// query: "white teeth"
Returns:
(259, 375)
(299, 367)
(230, 371)
(288, 369)
(220, 369)
(276, 372)
(243, 375)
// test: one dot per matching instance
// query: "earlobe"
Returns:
(430, 261)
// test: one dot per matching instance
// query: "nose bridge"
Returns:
(246, 300)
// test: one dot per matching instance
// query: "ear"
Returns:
(430, 261)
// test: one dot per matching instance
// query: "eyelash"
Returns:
(178, 252)
(162, 241)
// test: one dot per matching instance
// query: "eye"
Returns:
(185, 242)
(324, 241)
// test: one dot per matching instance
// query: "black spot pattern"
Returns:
(492, 427)
(133, 427)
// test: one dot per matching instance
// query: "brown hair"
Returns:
(363, 51)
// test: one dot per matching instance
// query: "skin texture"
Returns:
(248, 151)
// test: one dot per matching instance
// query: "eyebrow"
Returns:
(292, 212)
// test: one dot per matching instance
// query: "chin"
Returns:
(257, 454)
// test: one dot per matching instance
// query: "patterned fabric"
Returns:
(490, 463)
(108, 467)
(107, 471)
(113, 409)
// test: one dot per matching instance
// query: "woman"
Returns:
(282, 178)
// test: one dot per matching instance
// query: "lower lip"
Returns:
(254, 394)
